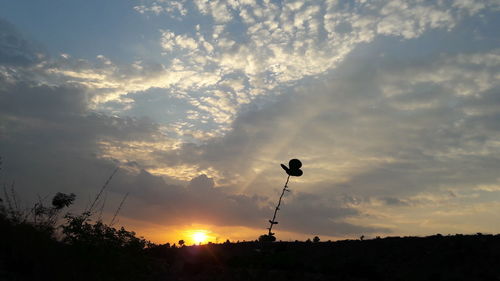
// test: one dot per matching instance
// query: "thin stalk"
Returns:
(101, 210)
(89, 211)
(273, 221)
(14, 196)
(8, 200)
(118, 210)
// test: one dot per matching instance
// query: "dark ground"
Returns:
(100, 253)
(458, 257)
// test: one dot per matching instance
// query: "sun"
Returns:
(199, 237)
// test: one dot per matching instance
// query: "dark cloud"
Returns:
(50, 140)
(310, 213)
(392, 201)
(15, 49)
(200, 202)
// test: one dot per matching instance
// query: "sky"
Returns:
(393, 107)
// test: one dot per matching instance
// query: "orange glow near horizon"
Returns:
(161, 234)
(198, 236)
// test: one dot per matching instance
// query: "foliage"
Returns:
(80, 230)
(89, 250)
(267, 238)
(85, 249)
(39, 216)
(62, 200)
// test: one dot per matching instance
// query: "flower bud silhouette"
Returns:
(294, 169)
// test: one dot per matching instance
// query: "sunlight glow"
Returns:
(199, 237)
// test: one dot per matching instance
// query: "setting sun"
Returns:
(199, 237)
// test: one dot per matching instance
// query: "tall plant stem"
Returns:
(273, 221)
(118, 210)
(89, 211)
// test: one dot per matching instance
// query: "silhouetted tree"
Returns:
(181, 243)
(316, 239)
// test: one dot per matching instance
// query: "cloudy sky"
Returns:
(392, 106)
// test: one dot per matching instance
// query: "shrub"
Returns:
(79, 230)
(267, 238)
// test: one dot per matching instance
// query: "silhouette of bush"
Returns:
(80, 230)
(87, 250)
(39, 216)
(91, 251)
(267, 238)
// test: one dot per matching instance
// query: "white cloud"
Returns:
(174, 9)
(169, 41)
(267, 45)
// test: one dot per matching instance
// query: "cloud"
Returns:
(15, 49)
(266, 45)
(49, 133)
(54, 141)
(169, 41)
(174, 9)
(199, 202)
(394, 201)
(378, 132)
(312, 214)
(62, 141)
(394, 131)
